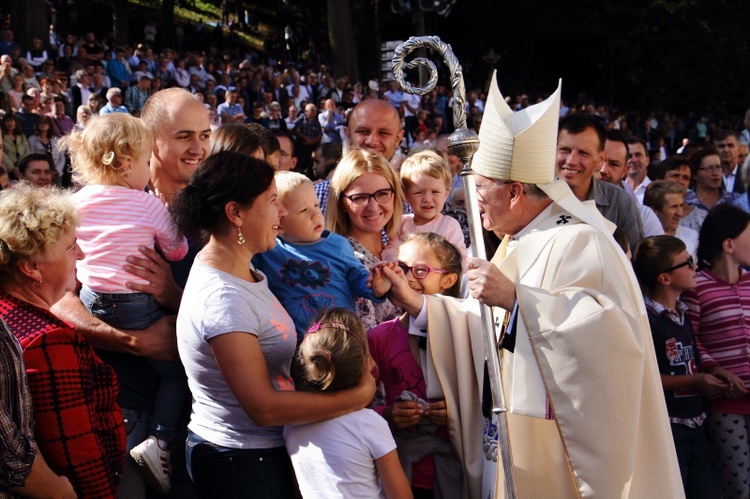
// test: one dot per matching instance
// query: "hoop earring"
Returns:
(240, 237)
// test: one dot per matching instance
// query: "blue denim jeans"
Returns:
(122, 310)
(239, 473)
(139, 311)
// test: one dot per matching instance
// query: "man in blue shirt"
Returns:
(114, 102)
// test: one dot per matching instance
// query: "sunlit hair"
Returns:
(98, 151)
(234, 137)
(446, 253)
(426, 162)
(79, 113)
(157, 108)
(32, 220)
(286, 182)
(354, 164)
(333, 353)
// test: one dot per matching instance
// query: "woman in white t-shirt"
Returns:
(353, 455)
(236, 341)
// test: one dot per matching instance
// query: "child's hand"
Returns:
(733, 386)
(401, 294)
(437, 412)
(708, 383)
(404, 414)
(379, 283)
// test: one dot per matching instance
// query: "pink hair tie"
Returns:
(333, 325)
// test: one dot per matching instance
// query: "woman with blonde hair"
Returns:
(365, 201)
(83, 116)
(78, 425)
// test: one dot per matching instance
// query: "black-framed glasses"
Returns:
(689, 263)
(382, 196)
(420, 271)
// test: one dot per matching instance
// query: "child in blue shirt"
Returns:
(312, 269)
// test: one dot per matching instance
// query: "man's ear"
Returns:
(516, 190)
(663, 279)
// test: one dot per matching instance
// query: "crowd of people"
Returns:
(310, 236)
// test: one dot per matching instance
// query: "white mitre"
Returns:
(518, 146)
(521, 146)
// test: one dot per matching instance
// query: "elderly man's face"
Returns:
(728, 151)
(375, 125)
(493, 198)
(310, 111)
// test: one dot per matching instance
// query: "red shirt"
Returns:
(78, 425)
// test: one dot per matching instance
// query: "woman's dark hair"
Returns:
(235, 137)
(267, 139)
(722, 222)
(222, 178)
(11, 117)
(697, 158)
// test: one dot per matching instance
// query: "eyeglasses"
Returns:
(711, 169)
(689, 263)
(381, 197)
(420, 271)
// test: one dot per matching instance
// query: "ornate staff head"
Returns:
(463, 142)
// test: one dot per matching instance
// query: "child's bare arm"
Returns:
(395, 484)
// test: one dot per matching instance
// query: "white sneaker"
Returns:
(154, 463)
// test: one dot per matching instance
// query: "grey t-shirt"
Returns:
(216, 303)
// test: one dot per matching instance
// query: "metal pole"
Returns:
(464, 143)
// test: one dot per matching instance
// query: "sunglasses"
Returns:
(689, 263)
(420, 271)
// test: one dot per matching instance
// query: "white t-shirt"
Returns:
(216, 303)
(336, 458)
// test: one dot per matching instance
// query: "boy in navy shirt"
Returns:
(665, 269)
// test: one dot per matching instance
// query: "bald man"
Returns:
(375, 125)
(181, 139)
